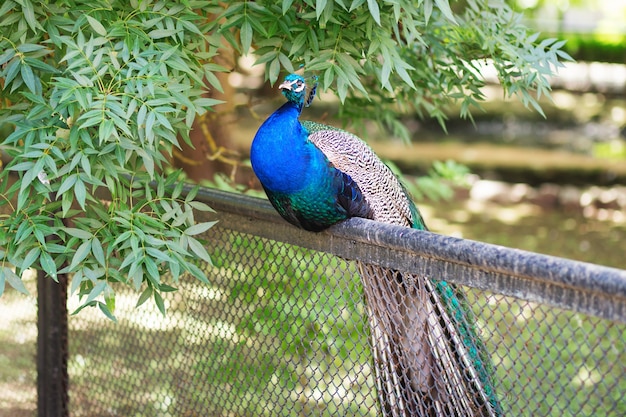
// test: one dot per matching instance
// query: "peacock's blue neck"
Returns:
(281, 155)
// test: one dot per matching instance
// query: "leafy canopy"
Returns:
(96, 95)
(418, 55)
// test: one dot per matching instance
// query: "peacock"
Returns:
(428, 359)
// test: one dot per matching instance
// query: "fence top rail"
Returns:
(560, 282)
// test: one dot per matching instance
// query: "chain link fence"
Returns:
(282, 328)
(282, 331)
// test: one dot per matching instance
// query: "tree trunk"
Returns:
(211, 135)
(52, 347)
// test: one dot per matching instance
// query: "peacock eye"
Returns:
(300, 86)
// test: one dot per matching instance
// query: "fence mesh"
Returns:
(282, 331)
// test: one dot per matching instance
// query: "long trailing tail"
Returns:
(428, 358)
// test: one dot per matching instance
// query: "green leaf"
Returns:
(159, 302)
(152, 270)
(135, 273)
(80, 192)
(145, 296)
(11, 71)
(320, 5)
(81, 253)
(246, 36)
(150, 120)
(77, 279)
(200, 206)
(199, 228)
(162, 33)
(96, 291)
(107, 310)
(167, 288)
(29, 78)
(158, 254)
(30, 258)
(98, 252)
(298, 44)
(444, 7)
(22, 166)
(67, 183)
(2, 280)
(96, 26)
(48, 265)
(405, 76)
(6, 56)
(198, 273)
(106, 130)
(124, 237)
(207, 102)
(374, 10)
(197, 248)
(428, 10)
(79, 233)
(14, 281)
(29, 15)
(286, 5)
(274, 70)
(175, 270)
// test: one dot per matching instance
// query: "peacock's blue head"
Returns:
(294, 89)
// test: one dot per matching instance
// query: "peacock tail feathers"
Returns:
(428, 359)
(479, 361)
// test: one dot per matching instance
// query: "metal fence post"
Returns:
(52, 347)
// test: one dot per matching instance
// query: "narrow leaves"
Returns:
(95, 101)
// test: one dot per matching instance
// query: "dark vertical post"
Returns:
(52, 347)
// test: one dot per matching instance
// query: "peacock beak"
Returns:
(286, 85)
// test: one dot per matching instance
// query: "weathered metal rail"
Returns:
(573, 285)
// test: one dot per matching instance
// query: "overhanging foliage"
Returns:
(384, 56)
(97, 94)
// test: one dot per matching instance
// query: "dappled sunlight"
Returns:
(586, 224)
(526, 311)
(17, 309)
(453, 222)
(148, 317)
(587, 376)
(608, 215)
(18, 335)
(14, 314)
(505, 214)
(565, 101)
(16, 396)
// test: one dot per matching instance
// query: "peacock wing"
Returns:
(383, 191)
